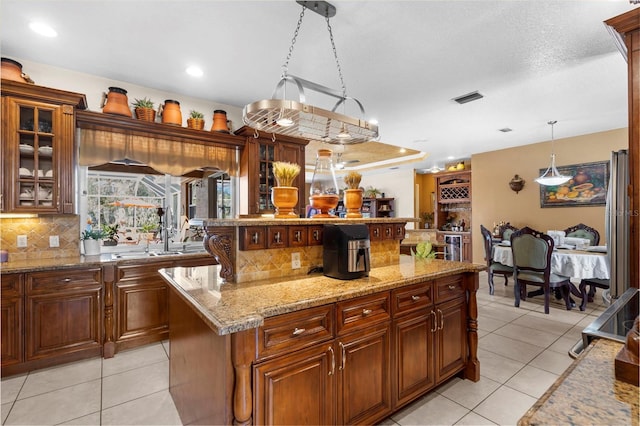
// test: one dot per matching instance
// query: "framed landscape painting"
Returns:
(587, 187)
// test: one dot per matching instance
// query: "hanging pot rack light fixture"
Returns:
(552, 176)
(296, 118)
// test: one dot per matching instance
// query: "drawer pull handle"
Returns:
(277, 237)
(344, 357)
(297, 236)
(415, 298)
(298, 331)
(255, 238)
(452, 287)
(316, 235)
(366, 312)
(441, 320)
(333, 361)
(435, 322)
(67, 280)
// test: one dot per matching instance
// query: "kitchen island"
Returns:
(315, 350)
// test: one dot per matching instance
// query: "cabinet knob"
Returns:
(366, 312)
(297, 331)
(452, 287)
(415, 298)
(67, 280)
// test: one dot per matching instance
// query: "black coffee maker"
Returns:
(346, 251)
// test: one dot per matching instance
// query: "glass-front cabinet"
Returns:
(37, 150)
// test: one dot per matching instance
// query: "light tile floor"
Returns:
(521, 350)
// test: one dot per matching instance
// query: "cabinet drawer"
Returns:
(253, 238)
(297, 236)
(412, 298)
(11, 285)
(277, 237)
(363, 312)
(62, 280)
(375, 232)
(449, 288)
(387, 232)
(315, 235)
(399, 231)
(294, 331)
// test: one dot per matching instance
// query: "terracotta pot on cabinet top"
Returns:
(171, 113)
(12, 70)
(116, 102)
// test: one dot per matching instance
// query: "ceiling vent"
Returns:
(473, 96)
(505, 130)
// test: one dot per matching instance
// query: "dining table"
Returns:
(591, 262)
(579, 264)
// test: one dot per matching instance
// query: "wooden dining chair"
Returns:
(583, 231)
(506, 230)
(592, 283)
(532, 251)
(493, 267)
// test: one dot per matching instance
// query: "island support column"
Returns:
(472, 369)
(242, 354)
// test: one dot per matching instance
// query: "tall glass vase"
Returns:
(324, 195)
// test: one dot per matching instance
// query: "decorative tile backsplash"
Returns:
(38, 230)
(275, 263)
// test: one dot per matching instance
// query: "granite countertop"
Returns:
(588, 393)
(233, 307)
(60, 263)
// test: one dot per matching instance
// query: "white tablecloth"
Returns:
(568, 263)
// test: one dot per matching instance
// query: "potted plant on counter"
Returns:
(91, 241)
(110, 235)
(144, 109)
(284, 196)
(195, 120)
(353, 194)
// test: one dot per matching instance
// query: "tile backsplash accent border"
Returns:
(38, 230)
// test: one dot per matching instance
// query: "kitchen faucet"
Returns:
(165, 227)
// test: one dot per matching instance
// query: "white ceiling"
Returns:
(534, 61)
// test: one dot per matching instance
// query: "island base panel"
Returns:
(200, 373)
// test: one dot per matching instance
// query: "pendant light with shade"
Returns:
(299, 119)
(552, 176)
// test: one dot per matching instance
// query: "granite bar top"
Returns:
(232, 307)
(588, 393)
(60, 263)
(270, 221)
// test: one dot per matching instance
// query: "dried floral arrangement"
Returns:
(285, 172)
(352, 179)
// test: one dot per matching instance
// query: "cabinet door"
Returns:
(142, 305)
(294, 153)
(11, 320)
(451, 343)
(364, 366)
(297, 389)
(37, 156)
(64, 312)
(414, 357)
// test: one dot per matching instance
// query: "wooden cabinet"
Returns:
(344, 380)
(256, 169)
(378, 207)
(139, 308)
(429, 335)
(12, 331)
(37, 152)
(453, 209)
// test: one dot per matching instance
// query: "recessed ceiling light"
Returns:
(373, 121)
(402, 150)
(451, 157)
(43, 29)
(195, 71)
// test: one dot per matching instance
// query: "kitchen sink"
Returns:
(141, 254)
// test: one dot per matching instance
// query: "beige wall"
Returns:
(494, 201)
